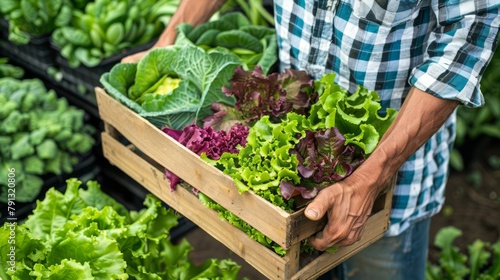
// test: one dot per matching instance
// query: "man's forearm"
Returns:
(194, 12)
(421, 116)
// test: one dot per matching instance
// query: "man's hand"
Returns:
(349, 202)
(348, 205)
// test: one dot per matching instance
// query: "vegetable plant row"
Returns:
(106, 27)
(86, 234)
(36, 18)
(40, 135)
(87, 31)
(277, 135)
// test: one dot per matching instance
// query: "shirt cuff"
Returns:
(433, 78)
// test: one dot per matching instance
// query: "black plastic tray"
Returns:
(37, 54)
(89, 77)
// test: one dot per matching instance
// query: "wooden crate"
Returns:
(151, 151)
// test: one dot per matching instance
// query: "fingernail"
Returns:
(312, 213)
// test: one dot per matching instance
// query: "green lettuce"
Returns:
(86, 234)
(358, 116)
(202, 76)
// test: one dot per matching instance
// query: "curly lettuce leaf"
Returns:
(358, 116)
(67, 269)
(266, 160)
(28, 251)
(100, 252)
(83, 236)
(55, 210)
(208, 141)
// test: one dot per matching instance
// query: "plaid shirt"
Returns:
(439, 46)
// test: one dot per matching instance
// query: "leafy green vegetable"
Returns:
(41, 135)
(85, 234)
(257, 95)
(269, 157)
(266, 160)
(324, 159)
(358, 116)
(28, 18)
(202, 75)
(233, 32)
(107, 27)
(481, 262)
(255, 10)
(8, 70)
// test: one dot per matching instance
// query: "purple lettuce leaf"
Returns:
(323, 160)
(207, 140)
(258, 95)
(299, 89)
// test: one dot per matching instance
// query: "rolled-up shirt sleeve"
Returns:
(459, 50)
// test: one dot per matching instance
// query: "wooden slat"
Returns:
(375, 228)
(188, 166)
(183, 201)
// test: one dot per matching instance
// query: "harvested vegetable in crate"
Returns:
(173, 86)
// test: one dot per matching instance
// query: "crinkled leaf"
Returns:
(202, 76)
(324, 158)
(93, 196)
(55, 210)
(208, 141)
(101, 252)
(67, 269)
(28, 249)
(358, 116)
(274, 95)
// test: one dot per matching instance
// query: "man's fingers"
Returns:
(344, 234)
(321, 243)
(319, 206)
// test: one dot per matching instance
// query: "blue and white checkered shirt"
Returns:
(439, 46)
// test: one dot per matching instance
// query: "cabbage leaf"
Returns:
(202, 75)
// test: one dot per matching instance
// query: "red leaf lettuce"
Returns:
(208, 141)
(323, 159)
(258, 95)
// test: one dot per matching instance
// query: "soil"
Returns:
(472, 205)
(472, 200)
